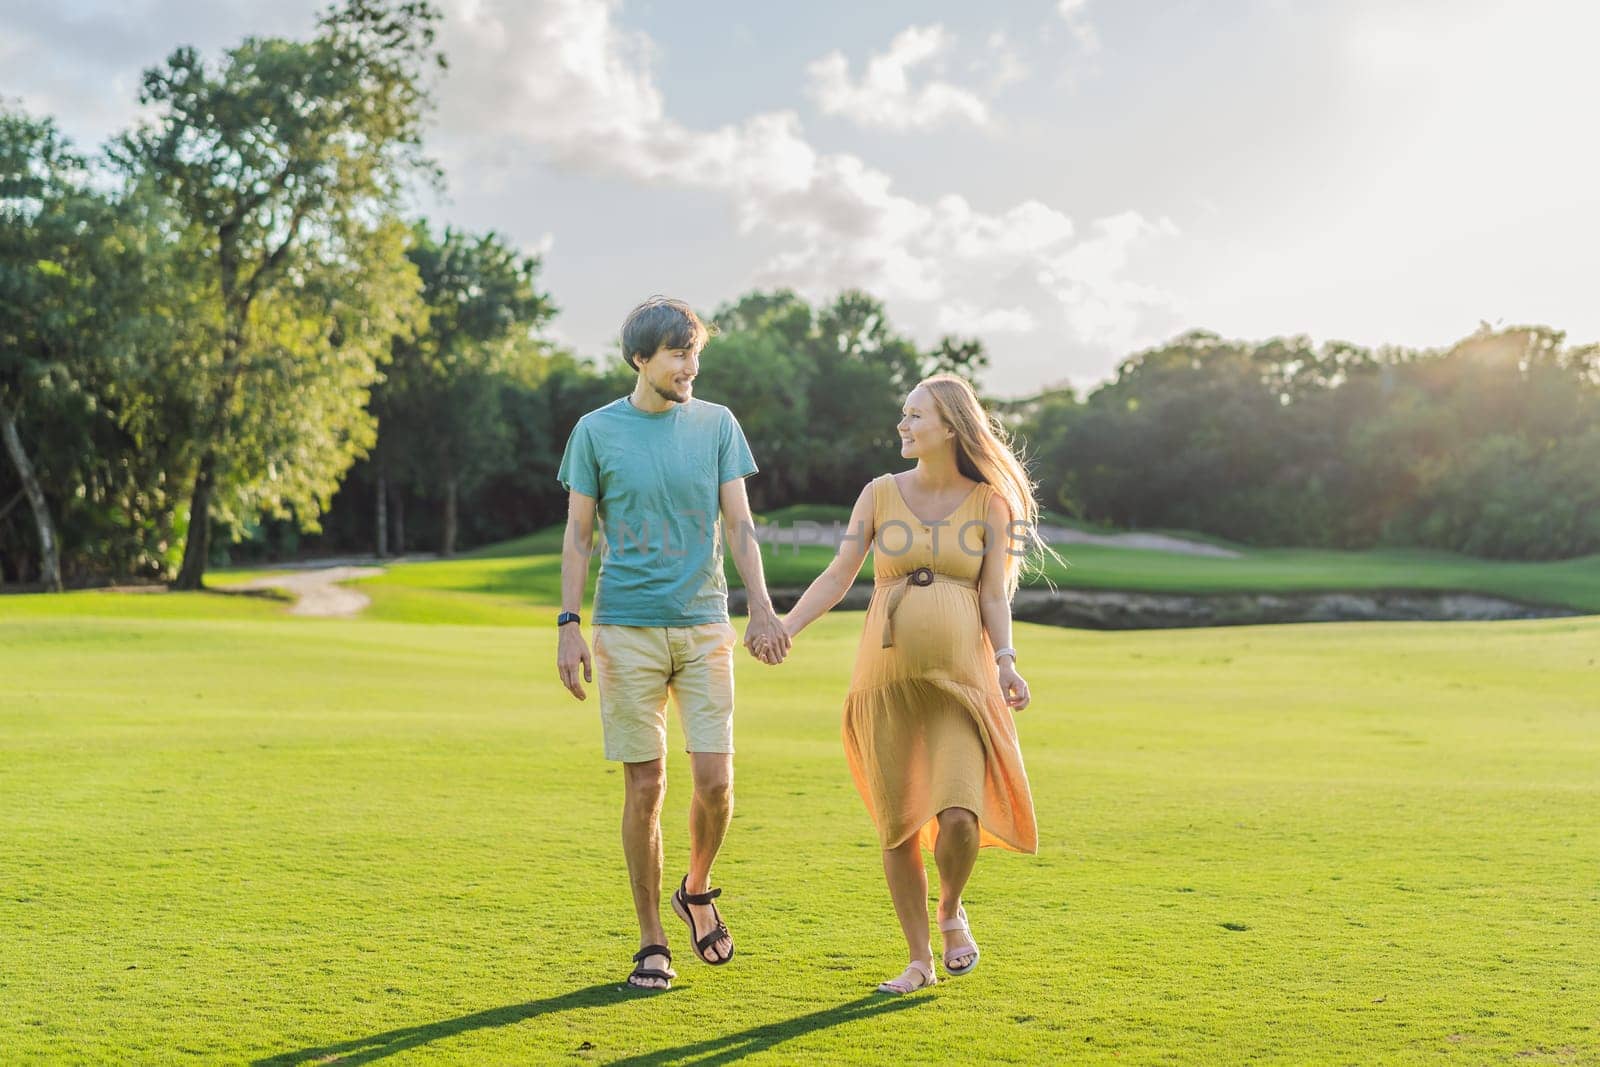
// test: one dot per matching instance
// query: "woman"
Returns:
(927, 723)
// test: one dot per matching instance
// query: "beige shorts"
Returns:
(636, 667)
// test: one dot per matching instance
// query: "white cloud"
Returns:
(1003, 63)
(557, 74)
(968, 320)
(540, 247)
(574, 87)
(1075, 14)
(560, 83)
(884, 97)
(1397, 143)
(81, 64)
(1102, 305)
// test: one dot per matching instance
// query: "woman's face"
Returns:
(922, 432)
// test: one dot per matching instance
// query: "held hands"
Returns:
(1012, 686)
(767, 638)
(572, 651)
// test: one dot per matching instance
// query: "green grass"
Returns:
(542, 542)
(526, 574)
(154, 602)
(1574, 583)
(826, 514)
(235, 836)
(488, 589)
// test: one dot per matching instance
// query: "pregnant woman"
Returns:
(928, 727)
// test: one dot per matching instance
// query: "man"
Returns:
(658, 467)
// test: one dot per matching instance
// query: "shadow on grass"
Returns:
(376, 1047)
(723, 1048)
(266, 593)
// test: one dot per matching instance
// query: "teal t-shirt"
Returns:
(656, 478)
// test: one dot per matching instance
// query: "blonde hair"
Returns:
(986, 453)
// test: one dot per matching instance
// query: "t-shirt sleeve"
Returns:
(735, 460)
(580, 469)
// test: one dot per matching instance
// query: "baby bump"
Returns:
(934, 625)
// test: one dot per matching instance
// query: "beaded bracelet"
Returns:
(1008, 651)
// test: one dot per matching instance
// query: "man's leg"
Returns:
(703, 685)
(709, 813)
(646, 785)
(631, 667)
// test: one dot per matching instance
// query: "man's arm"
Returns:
(740, 529)
(572, 651)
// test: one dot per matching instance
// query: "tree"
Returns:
(765, 381)
(954, 356)
(856, 326)
(440, 407)
(820, 390)
(1046, 423)
(1486, 448)
(150, 347)
(1489, 447)
(43, 209)
(290, 157)
(102, 284)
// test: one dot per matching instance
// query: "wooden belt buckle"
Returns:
(921, 576)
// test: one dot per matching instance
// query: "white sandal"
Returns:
(950, 926)
(917, 975)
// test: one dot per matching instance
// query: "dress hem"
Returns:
(1019, 834)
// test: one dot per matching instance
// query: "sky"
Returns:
(1069, 181)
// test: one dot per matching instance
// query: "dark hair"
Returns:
(659, 323)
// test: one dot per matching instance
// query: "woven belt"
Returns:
(922, 576)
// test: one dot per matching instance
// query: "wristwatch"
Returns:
(566, 617)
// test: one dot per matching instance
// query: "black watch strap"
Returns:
(566, 617)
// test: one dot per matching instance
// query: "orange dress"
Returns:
(925, 724)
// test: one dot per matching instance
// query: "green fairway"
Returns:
(241, 837)
(1573, 583)
(504, 584)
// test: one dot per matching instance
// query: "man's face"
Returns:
(671, 373)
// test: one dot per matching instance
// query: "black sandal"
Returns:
(641, 971)
(681, 899)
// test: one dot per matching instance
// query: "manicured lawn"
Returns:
(235, 836)
(1574, 583)
(522, 575)
(149, 603)
(490, 590)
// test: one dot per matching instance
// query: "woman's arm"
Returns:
(830, 586)
(740, 530)
(993, 603)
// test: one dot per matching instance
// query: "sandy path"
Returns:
(1061, 535)
(317, 592)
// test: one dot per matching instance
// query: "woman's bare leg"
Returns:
(908, 888)
(956, 853)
